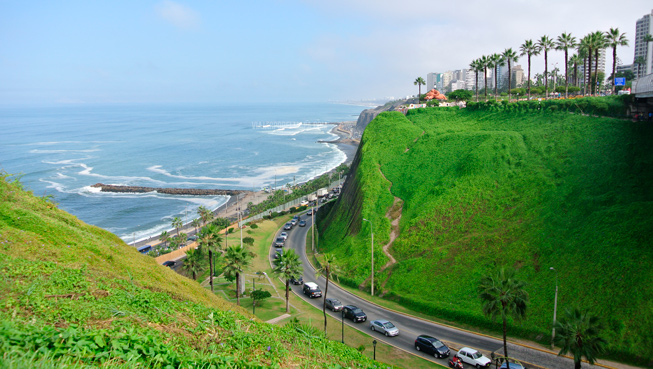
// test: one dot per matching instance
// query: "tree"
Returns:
(419, 81)
(196, 223)
(545, 43)
(502, 295)
(475, 66)
(327, 269)
(460, 95)
(205, 214)
(259, 295)
(575, 60)
(164, 237)
(288, 266)
(529, 48)
(237, 258)
(210, 239)
(177, 224)
(496, 60)
(509, 55)
(193, 262)
(485, 63)
(615, 38)
(600, 42)
(565, 42)
(579, 332)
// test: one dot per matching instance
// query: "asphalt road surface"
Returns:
(410, 327)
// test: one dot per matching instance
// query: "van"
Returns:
(311, 289)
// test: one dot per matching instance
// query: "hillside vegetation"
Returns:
(484, 188)
(76, 295)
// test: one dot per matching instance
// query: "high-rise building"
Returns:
(643, 49)
(432, 80)
(470, 80)
(457, 85)
(601, 66)
(447, 77)
(517, 76)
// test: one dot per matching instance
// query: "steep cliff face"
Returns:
(368, 115)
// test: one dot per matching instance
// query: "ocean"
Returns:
(62, 151)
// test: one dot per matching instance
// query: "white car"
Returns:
(473, 357)
(284, 235)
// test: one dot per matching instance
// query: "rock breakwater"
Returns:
(168, 191)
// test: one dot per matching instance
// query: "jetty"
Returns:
(168, 191)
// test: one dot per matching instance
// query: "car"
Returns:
(303, 203)
(355, 314)
(278, 253)
(296, 217)
(297, 280)
(333, 304)
(169, 263)
(191, 238)
(293, 222)
(309, 212)
(284, 235)
(279, 242)
(311, 289)
(302, 223)
(513, 365)
(385, 327)
(287, 227)
(473, 357)
(432, 346)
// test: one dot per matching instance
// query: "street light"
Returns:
(555, 308)
(372, 231)
(374, 344)
(342, 322)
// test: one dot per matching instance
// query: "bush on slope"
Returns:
(531, 190)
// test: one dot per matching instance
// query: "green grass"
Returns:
(484, 189)
(75, 295)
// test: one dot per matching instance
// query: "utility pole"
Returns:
(555, 308)
(372, 231)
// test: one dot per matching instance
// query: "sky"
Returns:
(125, 51)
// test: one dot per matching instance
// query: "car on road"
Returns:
(334, 304)
(278, 253)
(297, 280)
(303, 203)
(302, 223)
(513, 365)
(169, 263)
(279, 242)
(355, 314)
(432, 346)
(473, 357)
(385, 327)
(284, 235)
(287, 227)
(191, 238)
(293, 222)
(311, 289)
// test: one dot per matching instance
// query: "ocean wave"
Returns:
(124, 180)
(61, 151)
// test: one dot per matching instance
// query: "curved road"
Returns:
(409, 326)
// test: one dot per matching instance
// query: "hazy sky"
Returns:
(270, 50)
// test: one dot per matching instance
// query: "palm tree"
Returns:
(503, 295)
(565, 42)
(575, 60)
(485, 63)
(496, 61)
(615, 38)
(545, 43)
(288, 266)
(475, 65)
(600, 43)
(509, 55)
(579, 332)
(164, 237)
(419, 81)
(529, 48)
(177, 224)
(237, 259)
(210, 239)
(205, 214)
(196, 223)
(584, 51)
(327, 269)
(193, 262)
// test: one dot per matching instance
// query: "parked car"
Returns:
(513, 365)
(302, 223)
(355, 314)
(333, 304)
(473, 357)
(284, 235)
(311, 289)
(297, 280)
(279, 242)
(296, 217)
(278, 253)
(432, 346)
(287, 227)
(385, 327)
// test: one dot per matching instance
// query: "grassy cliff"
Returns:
(75, 295)
(475, 190)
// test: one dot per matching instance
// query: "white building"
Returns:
(457, 85)
(643, 27)
(432, 80)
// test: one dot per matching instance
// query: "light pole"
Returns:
(372, 231)
(555, 308)
(374, 344)
(342, 325)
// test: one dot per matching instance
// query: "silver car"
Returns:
(334, 304)
(385, 327)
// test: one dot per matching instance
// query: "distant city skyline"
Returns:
(78, 52)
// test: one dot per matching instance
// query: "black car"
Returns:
(431, 345)
(169, 263)
(355, 314)
(302, 223)
(297, 280)
(311, 289)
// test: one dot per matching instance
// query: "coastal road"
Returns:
(409, 326)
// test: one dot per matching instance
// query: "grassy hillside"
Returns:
(74, 294)
(484, 189)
